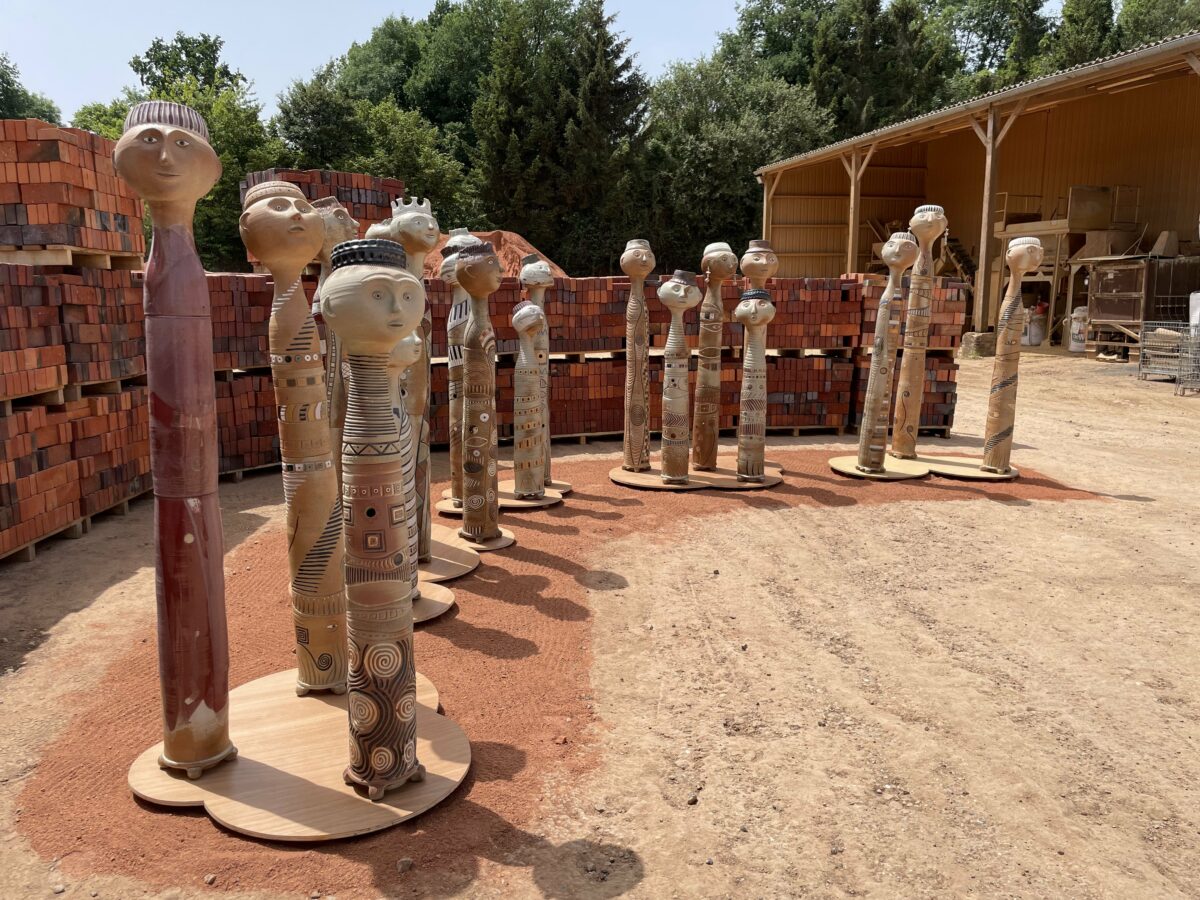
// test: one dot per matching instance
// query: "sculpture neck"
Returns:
(537, 295)
(1013, 291)
(895, 283)
(416, 263)
(369, 416)
(458, 294)
(479, 306)
(285, 278)
(758, 281)
(173, 215)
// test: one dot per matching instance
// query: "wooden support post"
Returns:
(983, 273)
(855, 165)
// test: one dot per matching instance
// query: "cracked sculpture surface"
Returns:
(165, 156)
(456, 329)
(927, 224)
(678, 294)
(339, 226)
(1024, 256)
(718, 264)
(899, 253)
(280, 227)
(478, 271)
(528, 432)
(406, 353)
(536, 277)
(637, 262)
(372, 302)
(754, 312)
(414, 227)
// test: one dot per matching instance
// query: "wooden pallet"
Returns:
(236, 475)
(72, 531)
(61, 255)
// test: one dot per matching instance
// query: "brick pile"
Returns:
(110, 440)
(247, 424)
(948, 311)
(32, 356)
(940, 391)
(58, 187)
(104, 324)
(366, 197)
(241, 311)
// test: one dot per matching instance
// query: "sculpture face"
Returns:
(928, 224)
(408, 350)
(754, 311)
(678, 296)
(537, 274)
(372, 307)
(448, 271)
(479, 275)
(164, 164)
(637, 261)
(416, 230)
(719, 262)
(282, 231)
(899, 252)
(1024, 257)
(339, 226)
(759, 263)
(528, 319)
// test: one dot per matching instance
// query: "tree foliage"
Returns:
(16, 102)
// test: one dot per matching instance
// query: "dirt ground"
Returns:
(832, 689)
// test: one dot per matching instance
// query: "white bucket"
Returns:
(1078, 330)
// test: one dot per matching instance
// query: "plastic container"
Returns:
(1078, 341)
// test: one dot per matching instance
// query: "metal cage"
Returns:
(1161, 348)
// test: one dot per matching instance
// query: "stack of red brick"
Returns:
(32, 356)
(948, 310)
(366, 197)
(104, 323)
(59, 188)
(241, 309)
(247, 424)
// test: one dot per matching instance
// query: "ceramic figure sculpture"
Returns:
(282, 229)
(536, 278)
(678, 294)
(718, 264)
(165, 156)
(928, 223)
(339, 226)
(637, 262)
(379, 231)
(478, 271)
(456, 327)
(759, 264)
(528, 432)
(416, 230)
(754, 312)
(371, 302)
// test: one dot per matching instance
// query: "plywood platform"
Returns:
(966, 468)
(435, 600)
(452, 557)
(286, 782)
(893, 469)
(723, 478)
(506, 500)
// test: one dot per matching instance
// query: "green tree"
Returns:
(167, 64)
(318, 123)
(711, 126)
(108, 119)
(16, 102)
(1084, 33)
(777, 34)
(999, 41)
(379, 68)
(1142, 21)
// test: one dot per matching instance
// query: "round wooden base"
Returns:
(560, 487)
(435, 600)
(452, 556)
(893, 469)
(551, 497)
(286, 782)
(966, 468)
(506, 500)
(506, 539)
(723, 477)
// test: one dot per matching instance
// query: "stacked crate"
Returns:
(58, 189)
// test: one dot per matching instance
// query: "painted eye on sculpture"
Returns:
(279, 204)
(303, 207)
(183, 142)
(149, 139)
(377, 295)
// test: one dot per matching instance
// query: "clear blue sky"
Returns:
(76, 52)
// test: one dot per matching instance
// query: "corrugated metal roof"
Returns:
(1180, 42)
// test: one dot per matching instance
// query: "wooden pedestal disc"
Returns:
(893, 469)
(435, 600)
(506, 539)
(286, 783)
(649, 480)
(506, 499)
(508, 489)
(563, 487)
(449, 560)
(724, 478)
(966, 468)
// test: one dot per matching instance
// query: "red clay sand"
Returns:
(512, 665)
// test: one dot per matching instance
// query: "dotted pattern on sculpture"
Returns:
(528, 432)
(481, 512)
(637, 379)
(676, 434)
(456, 329)
(708, 379)
(1002, 396)
(752, 413)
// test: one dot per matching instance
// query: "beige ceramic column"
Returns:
(754, 312)
(371, 302)
(281, 228)
(456, 328)
(718, 264)
(479, 272)
(927, 225)
(536, 278)
(528, 432)
(1024, 256)
(637, 262)
(678, 294)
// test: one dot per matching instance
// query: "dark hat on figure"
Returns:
(760, 245)
(904, 236)
(929, 208)
(530, 259)
(688, 278)
(265, 189)
(164, 112)
(756, 294)
(368, 252)
(483, 248)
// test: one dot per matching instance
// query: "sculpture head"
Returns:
(164, 153)
(719, 262)
(369, 299)
(755, 308)
(447, 271)
(414, 226)
(679, 293)
(339, 225)
(279, 226)
(459, 238)
(528, 318)
(1024, 255)
(478, 269)
(760, 261)
(535, 272)
(379, 231)
(638, 259)
(407, 351)
(900, 251)
(928, 223)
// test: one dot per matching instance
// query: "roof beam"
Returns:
(1012, 117)
(1193, 61)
